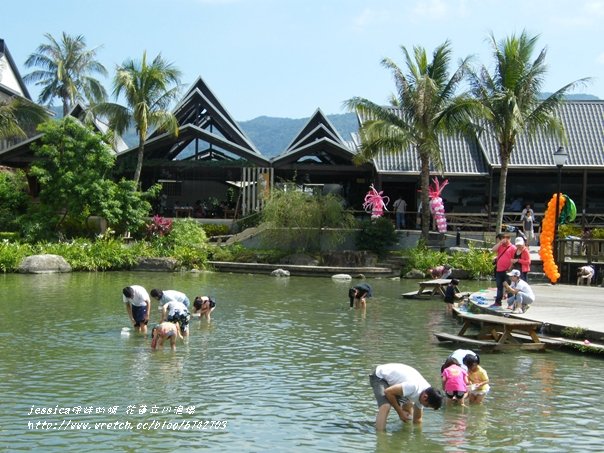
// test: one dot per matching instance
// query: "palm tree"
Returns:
(512, 102)
(148, 89)
(66, 70)
(19, 116)
(425, 105)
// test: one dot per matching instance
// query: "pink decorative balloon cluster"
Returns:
(375, 202)
(437, 208)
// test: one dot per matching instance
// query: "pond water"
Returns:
(283, 365)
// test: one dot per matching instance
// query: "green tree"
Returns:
(148, 90)
(424, 106)
(13, 198)
(512, 102)
(19, 116)
(74, 168)
(295, 220)
(66, 71)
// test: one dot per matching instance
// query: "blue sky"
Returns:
(287, 58)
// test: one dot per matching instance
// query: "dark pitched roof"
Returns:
(460, 156)
(319, 141)
(201, 116)
(584, 125)
(21, 88)
(582, 120)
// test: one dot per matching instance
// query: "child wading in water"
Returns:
(163, 331)
(478, 378)
(204, 306)
(453, 295)
(455, 381)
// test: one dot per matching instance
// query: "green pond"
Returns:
(282, 366)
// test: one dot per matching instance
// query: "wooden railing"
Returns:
(581, 250)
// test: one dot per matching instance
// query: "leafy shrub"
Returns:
(422, 258)
(477, 262)
(574, 332)
(10, 236)
(295, 220)
(212, 229)
(187, 232)
(84, 255)
(597, 233)
(13, 198)
(376, 235)
(569, 230)
(158, 227)
(11, 255)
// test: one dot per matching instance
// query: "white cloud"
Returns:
(435, 9)
(600, 58)
(368, 18)
(595, 8)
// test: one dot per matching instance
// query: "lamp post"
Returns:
(560, 157)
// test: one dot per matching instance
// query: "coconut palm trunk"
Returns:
(503, 176)
(424, 185)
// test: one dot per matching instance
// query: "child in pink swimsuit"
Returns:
(455, 383)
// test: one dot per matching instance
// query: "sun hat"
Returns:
(514, 273)
(519, 241)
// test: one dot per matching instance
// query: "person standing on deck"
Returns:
(503, 261)
(400, 207)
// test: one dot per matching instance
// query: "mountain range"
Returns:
(273, 135)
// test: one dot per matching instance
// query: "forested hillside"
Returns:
(272, 135)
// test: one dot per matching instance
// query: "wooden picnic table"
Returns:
(434, 287)
(429, 288)
(499, 330)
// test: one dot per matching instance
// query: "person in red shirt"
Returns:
(504, 250)
(521, 259)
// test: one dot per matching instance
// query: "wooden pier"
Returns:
(559, 309)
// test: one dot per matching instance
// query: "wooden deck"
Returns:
(558, 307)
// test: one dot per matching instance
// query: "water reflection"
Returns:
(284, 361)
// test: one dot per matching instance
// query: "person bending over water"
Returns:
(358, 295)
(165, 331)
(204, 306)
(404, 388)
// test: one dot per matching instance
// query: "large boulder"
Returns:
(280, 273)
(156, 264)
(44, 264)
(415, 273)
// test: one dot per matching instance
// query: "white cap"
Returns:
(519, 241)
(514, 273)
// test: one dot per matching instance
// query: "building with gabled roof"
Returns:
(319, 158)
(212, 154)
(472, 165)
(11, 83)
